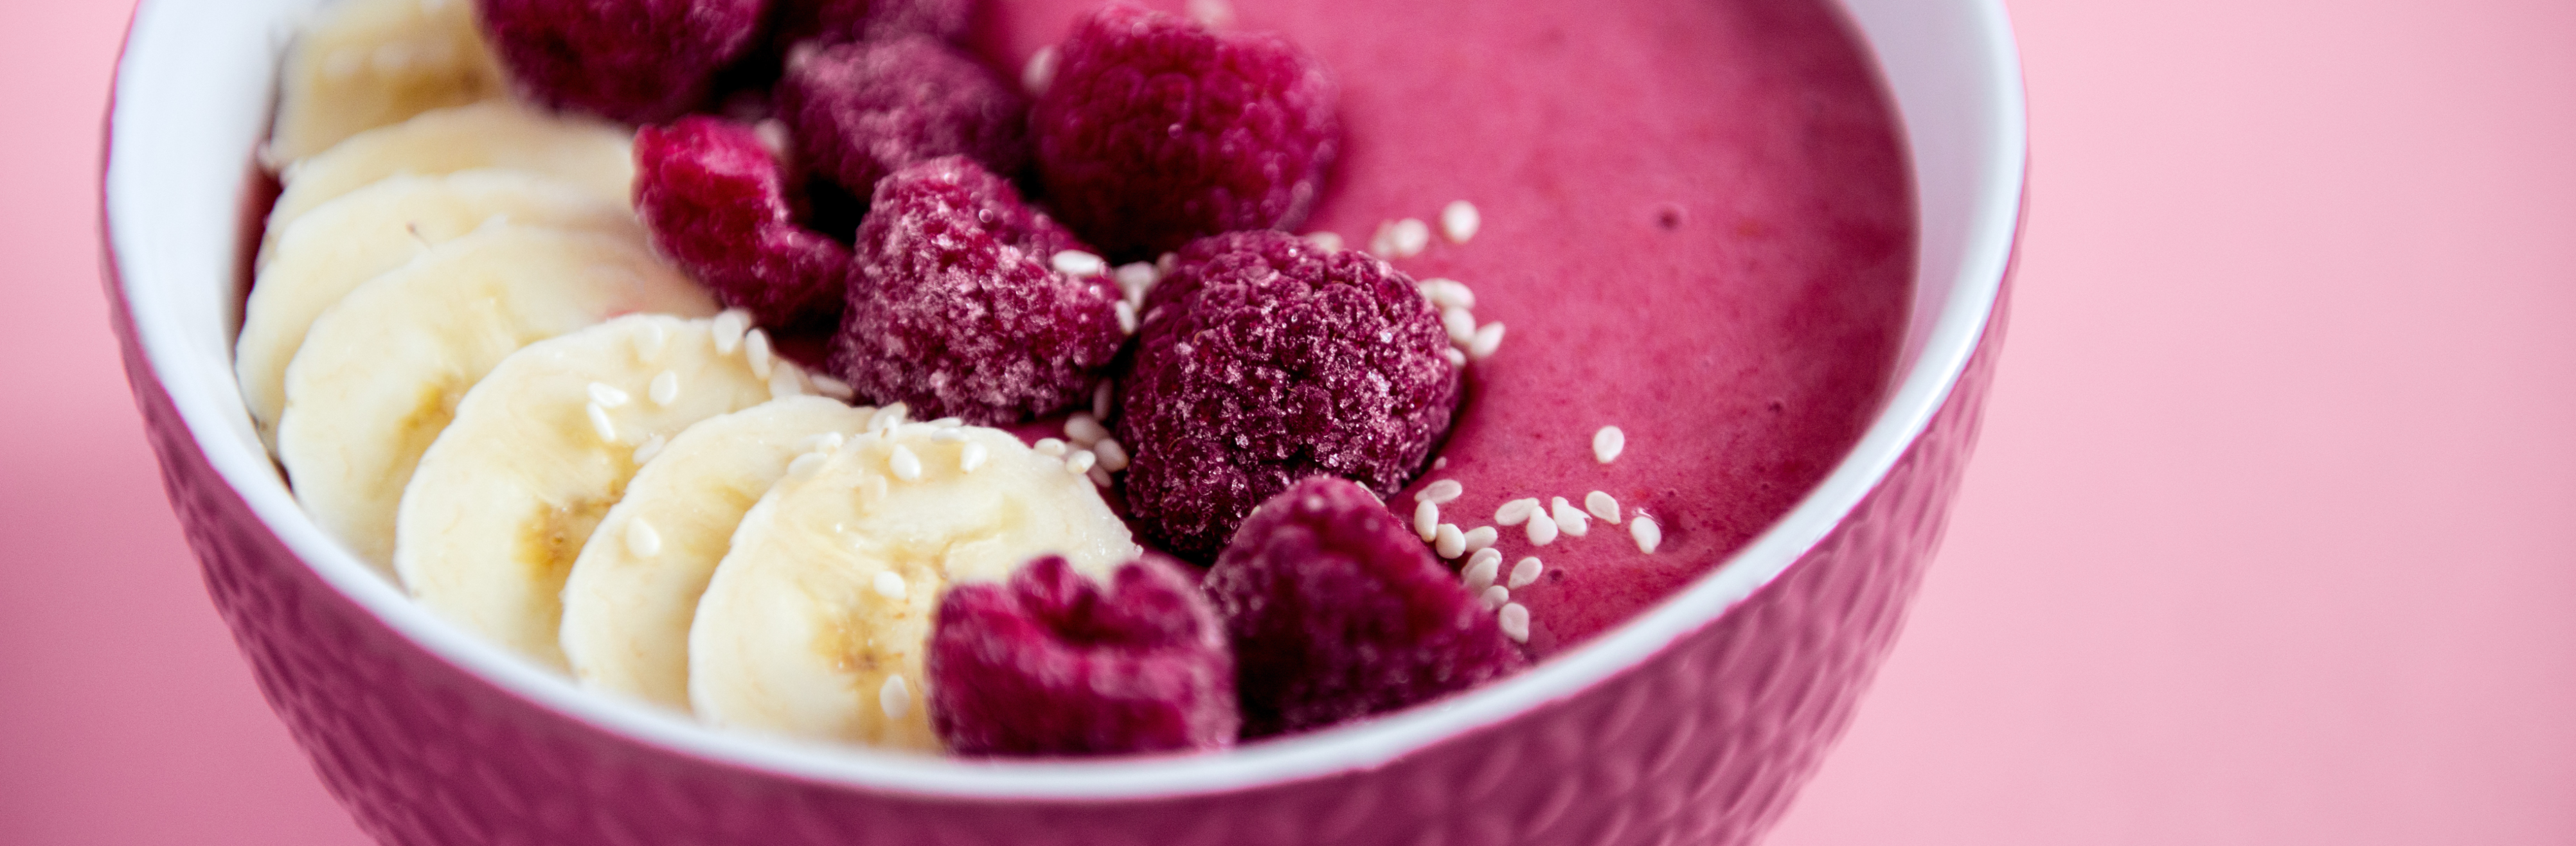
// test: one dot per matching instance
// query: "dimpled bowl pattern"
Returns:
(1694, 724)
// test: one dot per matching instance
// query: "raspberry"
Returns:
(1156, 130)
(717, 205)
(845, 21)
(1052, 664)
(955, 306)
(637, 61)
(1264, 359)
(861, 111)
(1337, 611)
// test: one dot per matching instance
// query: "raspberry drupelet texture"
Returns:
(636, 61)
(1052, 664)
(861, 111)
(1337, 612)
(956, 307)
(847, 21)
(1157, 130)
(716, 202)
(1263, 359)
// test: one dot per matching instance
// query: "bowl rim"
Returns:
(1955, 331)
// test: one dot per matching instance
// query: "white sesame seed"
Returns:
(947, 436)
(1441, 463)
(1602, 505)
(1516, 512)
(1083, 429)
(608, 396)
(1134, 279)
(727, 329)
(1049, 447)
(972, 456)
(1495, 596)
(786, 382)
(1164, 263)
(600, 423)
(1100, 477)
(806, 464)
(1608, 443)
(1078, 263)
(889, 585)
(1448, 293)
(1102, 398)
(773, 135)
(1526, 572)
(1080, 462)
(1647, 534)
(894, 698)
(1569, 519)
(1409, 236)
(1515, 622)
(1040, 71)
(1461, 325)
(641, 539)
(1331, 241)
(834, 388)
(1459, 221)
(1481, 537)
(665, 389)
(1486, 341)
(1448, 541)
(1441, 492)
(1453, 356)
(1126, 312)
(1113, 456)
(651, 343)
(1213, 14)
(1426, 521)
(1481, 570)
(1382, 242)
(652, 446)
(1542, 529)
(826, 442)
(906, 466)
(888, 417)
(755, 351)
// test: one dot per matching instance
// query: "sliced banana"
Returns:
(636, 585)
(816, 622)
(362, 64)
(595, 155)
(382, 371)
(375, 229)
(540, 451)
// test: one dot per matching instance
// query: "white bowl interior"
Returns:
(195, 86)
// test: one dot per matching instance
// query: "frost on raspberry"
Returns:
(847, 21)
(636, 61)
(958, 305)
(1263, 359)
(1337, 611)
(1052, 664)
(1156, 130)
(716, 202)
(861, 111)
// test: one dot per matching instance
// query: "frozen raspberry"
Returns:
(1264, 359)
(1156, 130)
(1053, 664)
(956, 305)
(637, 61)
(1337, 611)
(717, 205)
(861, 111)
(846, 21)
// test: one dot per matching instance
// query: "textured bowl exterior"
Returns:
(1704, 742)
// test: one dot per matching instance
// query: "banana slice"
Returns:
(382, 371)
(817, 619)
(368, 63)
(540, 451)
(636, 585)
(376, 229)
(597, 156)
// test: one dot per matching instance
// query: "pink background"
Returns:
(2272, 537)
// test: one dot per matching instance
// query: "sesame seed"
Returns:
(835, 388)
(1608, 443)
(1078, 263)
(906, 466)
(1515, 622)
(651, 343)
(1113, 456)
(755, 351)
(1100, 477)
(1542, 529)
(608, 396)
(1134, 279)
(1448, 293)
(888, 417)
(1516, 512)
(806, 464)
(786, 382)
(1481, 537)
(652, 446)
(1526, 572)
(1049, 447)
(947, 436)
(1441, 492)
(1486, 341)
(894, 698)
(1459, 221)
(1080, 462)
(1602, 505)
(1426, 521)
(727, 329)
(889, 585)
(1448, 541)
(1495, 596)
(600, 423)
(1083, 429)
(1648, 534)
(1164, 263)
(826, 442)
(773, 135)
(1126, 312)
(665, 389)
(1569, 519)
(1329, 241)
(1481, 569)
(1453, 356)
(1102, 398)
(1409, 236)
(1441, 463)
(1461, 325)
(641, 539)
(972, 456)
(1040, 71)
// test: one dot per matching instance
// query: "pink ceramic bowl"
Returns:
(1693, 723)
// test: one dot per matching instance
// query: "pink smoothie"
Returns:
(1697, 228)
